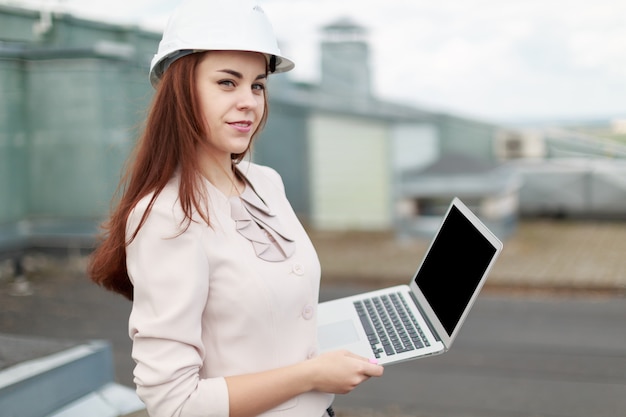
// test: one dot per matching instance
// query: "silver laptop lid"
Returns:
(454, 270)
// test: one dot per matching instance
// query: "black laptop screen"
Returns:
(453, 268)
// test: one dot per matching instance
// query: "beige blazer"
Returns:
(205, 306)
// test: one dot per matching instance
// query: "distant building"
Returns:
(566, 172)
(347, 148)
(334, 143)
(490, 190)
(72, 98)
(520, 144)
(580, 187)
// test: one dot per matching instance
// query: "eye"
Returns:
(226, 83)
(258, 87)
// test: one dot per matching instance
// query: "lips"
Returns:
(242, 123)
(243, 126)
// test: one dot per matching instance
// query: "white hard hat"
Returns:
(224, 25)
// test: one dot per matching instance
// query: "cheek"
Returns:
(261, 103)
(260, 108)
(208, 100)
(207, 107)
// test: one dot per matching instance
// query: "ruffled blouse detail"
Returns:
(256, 222)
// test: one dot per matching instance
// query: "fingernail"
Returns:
(374, 361)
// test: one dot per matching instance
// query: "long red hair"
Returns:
(174, 134)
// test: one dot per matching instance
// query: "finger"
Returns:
(375, 370)
(373, 361)
(355, 356)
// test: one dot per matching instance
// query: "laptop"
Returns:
(423, 318)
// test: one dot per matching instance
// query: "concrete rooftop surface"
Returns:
(542, 254)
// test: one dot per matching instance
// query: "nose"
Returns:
(247, 99)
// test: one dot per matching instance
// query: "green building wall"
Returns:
(77, 135)
(72, 99)
(13, 143)
(283, 146)
(467, 137)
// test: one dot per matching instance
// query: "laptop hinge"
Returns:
(430, 325)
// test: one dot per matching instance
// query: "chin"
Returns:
(241, 147)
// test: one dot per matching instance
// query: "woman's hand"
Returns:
(339, 372)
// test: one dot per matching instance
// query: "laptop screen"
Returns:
(456, 261)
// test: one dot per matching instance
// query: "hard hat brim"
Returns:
(161, 63)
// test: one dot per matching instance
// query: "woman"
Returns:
(223, 278)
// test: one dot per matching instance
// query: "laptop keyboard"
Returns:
(389, 324)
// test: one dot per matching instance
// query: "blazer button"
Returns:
(307, 312)
(298, 269)
(312, 353)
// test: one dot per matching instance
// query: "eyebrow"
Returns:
(239, 75)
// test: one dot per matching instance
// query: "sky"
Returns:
(497, 60)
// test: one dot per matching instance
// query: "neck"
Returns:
(222, 176)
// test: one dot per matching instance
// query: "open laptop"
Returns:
(434, 305)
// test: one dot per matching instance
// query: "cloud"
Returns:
(490, 58)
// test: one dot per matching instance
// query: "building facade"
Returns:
(73, 95)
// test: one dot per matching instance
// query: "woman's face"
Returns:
(231, 86)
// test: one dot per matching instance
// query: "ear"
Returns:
(272, 64)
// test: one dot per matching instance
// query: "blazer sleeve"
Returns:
(170, 273)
